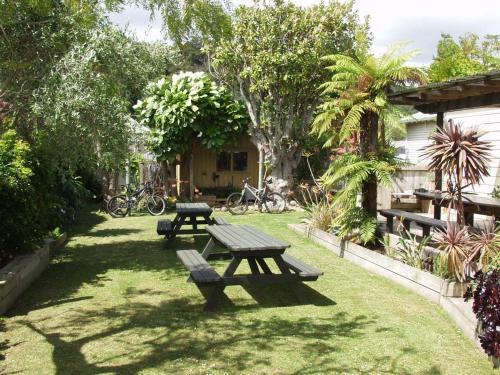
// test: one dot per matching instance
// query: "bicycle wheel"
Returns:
(237, 204)
(274, 203)
(156, 205)
(118, 206)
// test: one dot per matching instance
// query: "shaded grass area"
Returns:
(115, 301)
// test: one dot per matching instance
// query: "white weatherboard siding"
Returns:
(485, 119)
(488, 120)
(418, 138)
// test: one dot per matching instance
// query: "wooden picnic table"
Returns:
(473, 204)
(244, 242)
(190, 214)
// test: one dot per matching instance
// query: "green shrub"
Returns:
(440, 267)
(411, 251)
(20, 225)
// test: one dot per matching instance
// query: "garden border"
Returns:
(442, 292)
(23, 270)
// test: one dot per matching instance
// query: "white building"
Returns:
(420, 126)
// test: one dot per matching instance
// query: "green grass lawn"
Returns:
(115, 301)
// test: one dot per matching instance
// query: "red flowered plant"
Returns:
(485, 291)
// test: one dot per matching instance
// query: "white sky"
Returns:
(418, 22)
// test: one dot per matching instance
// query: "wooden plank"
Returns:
(220, 221)
(244, 238)
(164, 227)
(419, 219)
(193, 208)
(263, 279)
(201, 271)
(300, 267)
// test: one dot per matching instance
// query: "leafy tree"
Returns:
(355, 99)
(84, 102)
(187, 107)
(273, 55)
(33, 36)
(191, 24)
(464, 58)
(19, 225)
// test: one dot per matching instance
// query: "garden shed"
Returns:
(218, 172)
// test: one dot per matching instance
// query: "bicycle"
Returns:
(122, 204)
(237, 203)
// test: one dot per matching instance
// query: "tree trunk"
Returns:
(368, 146)
(283, 163)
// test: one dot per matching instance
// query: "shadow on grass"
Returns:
(280, 295)
(184, 336)
(112, 232)
(88, 265)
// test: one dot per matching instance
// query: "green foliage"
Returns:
(34, 35)
(347, 173)
(465, 57)
(190, 106)
(19, 225)
(359, 86)
(496, 192)
(411, 251)
(354, 98)
(355, 224)
(389, 249)
(440, 267)
(85, 100)
(318, 206)
(274, 56)
(486, 247)
(70, 79)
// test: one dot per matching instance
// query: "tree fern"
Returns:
(355, 95)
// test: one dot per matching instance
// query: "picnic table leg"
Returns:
(469, 218)
(406, 224)
(264, 266)
(208, 248)
(253, 266)
(179, 222)
(208, 219)
(281, 264)
(426, 230)
(218, 291)
(390, 224)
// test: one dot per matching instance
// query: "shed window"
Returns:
(240, 161)
(224, 161)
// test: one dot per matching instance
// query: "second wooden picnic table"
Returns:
(473, 204)
(244, 242)
(190, 214)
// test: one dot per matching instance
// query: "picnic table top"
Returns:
(468, 199)
(193, 208)
(245, 238)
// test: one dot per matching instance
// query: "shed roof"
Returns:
(470, 92)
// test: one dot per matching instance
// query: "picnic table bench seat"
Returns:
(305, 271)
(201, 272)
(164, 227)
(220, 221)
(426, 223)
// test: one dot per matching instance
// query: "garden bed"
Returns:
(443, 292)
(20, 273)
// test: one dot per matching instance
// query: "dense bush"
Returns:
(187, 107)
(485, 292)
(19, 224)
